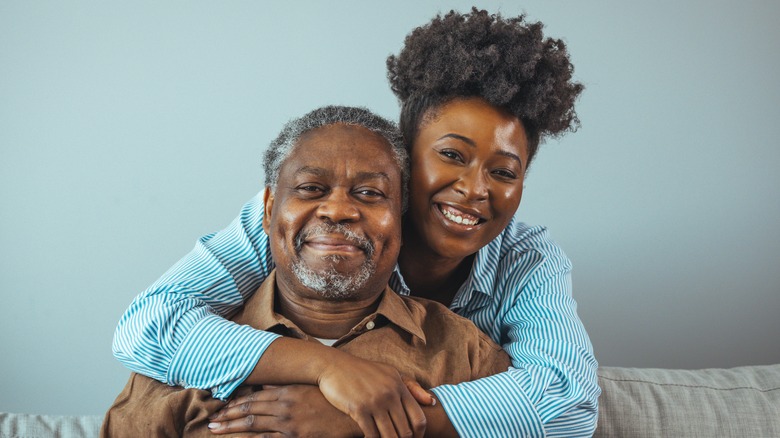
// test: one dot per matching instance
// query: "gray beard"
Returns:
(331, 284)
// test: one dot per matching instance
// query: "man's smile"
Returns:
(333, 240)
(332, 243)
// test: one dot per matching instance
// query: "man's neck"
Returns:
(322, 318)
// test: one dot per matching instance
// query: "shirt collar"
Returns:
(258, 312)
(484, 270)
(482, 277)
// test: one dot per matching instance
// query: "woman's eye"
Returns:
(504, 173)
(451, 154)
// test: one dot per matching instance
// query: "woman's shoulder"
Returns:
(520, 238)
(522, 256)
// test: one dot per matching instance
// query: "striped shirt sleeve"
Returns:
(552, 389)
(176, 331)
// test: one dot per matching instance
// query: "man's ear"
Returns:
(268, 205)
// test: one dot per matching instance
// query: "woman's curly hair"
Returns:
(506, 61)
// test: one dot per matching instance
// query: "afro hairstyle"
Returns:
(505, 61)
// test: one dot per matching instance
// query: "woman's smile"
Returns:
(458, 216)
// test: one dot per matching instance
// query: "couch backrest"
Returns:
(634, 403)
(647, 402)
(54, 426)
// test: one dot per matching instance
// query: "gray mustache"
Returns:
(352, 237)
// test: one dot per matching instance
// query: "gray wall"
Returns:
(129, 129)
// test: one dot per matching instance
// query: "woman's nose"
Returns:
(472, 184)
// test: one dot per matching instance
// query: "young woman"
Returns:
(478, 92)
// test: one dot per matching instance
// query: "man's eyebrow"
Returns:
(362, 176)
(471, 143)
(317, 171)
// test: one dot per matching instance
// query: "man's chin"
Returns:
(332, 284)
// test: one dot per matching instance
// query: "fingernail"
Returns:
(433, 401)
(213, 426)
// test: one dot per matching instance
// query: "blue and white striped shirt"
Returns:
(518, 292)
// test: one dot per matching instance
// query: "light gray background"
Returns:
(129, 129)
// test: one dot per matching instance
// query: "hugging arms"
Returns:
(473, 114)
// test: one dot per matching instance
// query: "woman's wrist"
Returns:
(438, 424)
(294, 361)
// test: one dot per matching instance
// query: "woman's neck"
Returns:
(430, 275)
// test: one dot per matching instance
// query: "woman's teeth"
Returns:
(458, 219)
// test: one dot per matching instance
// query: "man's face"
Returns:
(334, 218)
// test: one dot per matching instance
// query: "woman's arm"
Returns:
(175, 331)
(552, 388)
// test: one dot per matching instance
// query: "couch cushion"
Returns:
(56, 426)
(648, 402)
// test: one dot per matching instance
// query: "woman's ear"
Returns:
(268, 205)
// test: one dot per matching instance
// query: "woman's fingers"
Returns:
(415, 414)
(242, 406)
(386, 426)
(242, 410)
(374, 395)
(292, 410)
(422, 396)
(367, 425)
(247, 423)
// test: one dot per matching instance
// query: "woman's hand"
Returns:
(375, 396)
(291, 410)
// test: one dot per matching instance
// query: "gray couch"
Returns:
(635, 402)
(645, 402)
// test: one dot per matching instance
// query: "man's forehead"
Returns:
(330, 171)
(334, 149)
(341, 133)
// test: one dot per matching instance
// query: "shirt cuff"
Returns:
(489, 407)
(219, 355)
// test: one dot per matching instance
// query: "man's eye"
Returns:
(369, 193)
(310, 189)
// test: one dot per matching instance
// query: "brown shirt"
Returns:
(420, 338)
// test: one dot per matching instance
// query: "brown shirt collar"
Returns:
(258, 312)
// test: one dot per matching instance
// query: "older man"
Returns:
(333, 210)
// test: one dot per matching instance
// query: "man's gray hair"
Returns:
(279, 149)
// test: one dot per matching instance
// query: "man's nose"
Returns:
(472, 184)
(338, 207)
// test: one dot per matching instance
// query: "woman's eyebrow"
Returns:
(466, 140)
(512, 155)
(471, 143)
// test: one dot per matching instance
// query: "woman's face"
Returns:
(468, 164)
